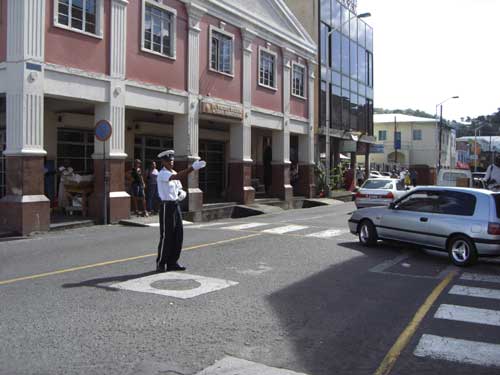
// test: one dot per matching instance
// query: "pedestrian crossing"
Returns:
(277, 229)
(461, 350)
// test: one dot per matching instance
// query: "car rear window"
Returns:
(456, 203)
(453, 177)
(497, 203)
(378, 184)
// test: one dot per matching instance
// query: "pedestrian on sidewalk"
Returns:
(138, 187)
(152, 191)
(413, 175)
(171, 228)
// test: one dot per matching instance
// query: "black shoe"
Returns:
(160, 269)
(176, 267)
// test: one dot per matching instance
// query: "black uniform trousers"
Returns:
(171, 234)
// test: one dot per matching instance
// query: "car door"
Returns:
(409, 220)
(454, 214)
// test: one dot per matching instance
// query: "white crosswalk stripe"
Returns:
(480, 277)
(459, 350)
(280, 229)
(468, 314)
(198, 226)
(455, 350)
(245, 226)
(285, 229)
(156, 225)
(329, 233)
(470, 291)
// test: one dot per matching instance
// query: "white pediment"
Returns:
(272, 16)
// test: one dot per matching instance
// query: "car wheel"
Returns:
(462, 251)
(367, 233)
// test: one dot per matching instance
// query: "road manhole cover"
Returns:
(176, 284)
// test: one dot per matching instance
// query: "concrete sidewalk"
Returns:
(141, 221)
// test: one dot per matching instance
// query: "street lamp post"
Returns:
(440, 132)
(328, 122)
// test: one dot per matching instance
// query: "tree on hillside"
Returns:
(408, 111)
(490, 123)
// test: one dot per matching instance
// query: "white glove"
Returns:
(182, 195)
(198, 164)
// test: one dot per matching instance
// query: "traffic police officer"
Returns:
(171, 229)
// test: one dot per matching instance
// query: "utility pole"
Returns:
(440, 132)
(395, 141)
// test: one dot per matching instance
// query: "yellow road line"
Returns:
(403, 339)
(58, 272)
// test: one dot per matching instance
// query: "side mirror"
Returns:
(408, 188)
(392, 206)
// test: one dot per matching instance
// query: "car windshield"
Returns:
(377, 184)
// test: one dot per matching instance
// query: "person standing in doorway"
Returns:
(138, 187)
(152, 188)
(171, 228)
(413, 176)
(268, 170)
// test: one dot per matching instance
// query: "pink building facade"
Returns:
(211, 79)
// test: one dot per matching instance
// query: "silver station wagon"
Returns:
(461, 221)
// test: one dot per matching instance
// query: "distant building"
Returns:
(344, 83)
(486, 149)
(405, 141)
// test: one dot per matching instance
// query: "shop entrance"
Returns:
(147, 148)
(212, 178)
(3, 182)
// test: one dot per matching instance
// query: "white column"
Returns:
(25, 73)
(186, 128)
(306, 142)
(243, 146)
(281, 138)
(114, 110)
(118, 35)
(240, 143)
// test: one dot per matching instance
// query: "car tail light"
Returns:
(494, 228)
(389, 195)
(360, 195)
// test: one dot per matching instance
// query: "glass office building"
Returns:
(346, 86)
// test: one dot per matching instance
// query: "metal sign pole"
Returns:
(105, 187)
(103, 131)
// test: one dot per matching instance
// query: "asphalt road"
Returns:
(290, 291)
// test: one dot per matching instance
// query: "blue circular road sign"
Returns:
(103, 130)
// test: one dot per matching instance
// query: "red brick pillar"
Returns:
(240, 182)
(305, 184)
(118, 198)
(280, 187)
(25, 208)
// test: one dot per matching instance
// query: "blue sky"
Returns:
(429, 50)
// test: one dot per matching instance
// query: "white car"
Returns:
(375, 174)
(379, 192)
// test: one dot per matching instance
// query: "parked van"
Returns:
(455, 177)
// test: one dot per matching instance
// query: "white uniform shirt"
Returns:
(168, 190)
(493, 173)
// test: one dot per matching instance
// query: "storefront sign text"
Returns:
(222, 110)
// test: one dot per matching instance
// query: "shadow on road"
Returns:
(100, 282)
(344, 320)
